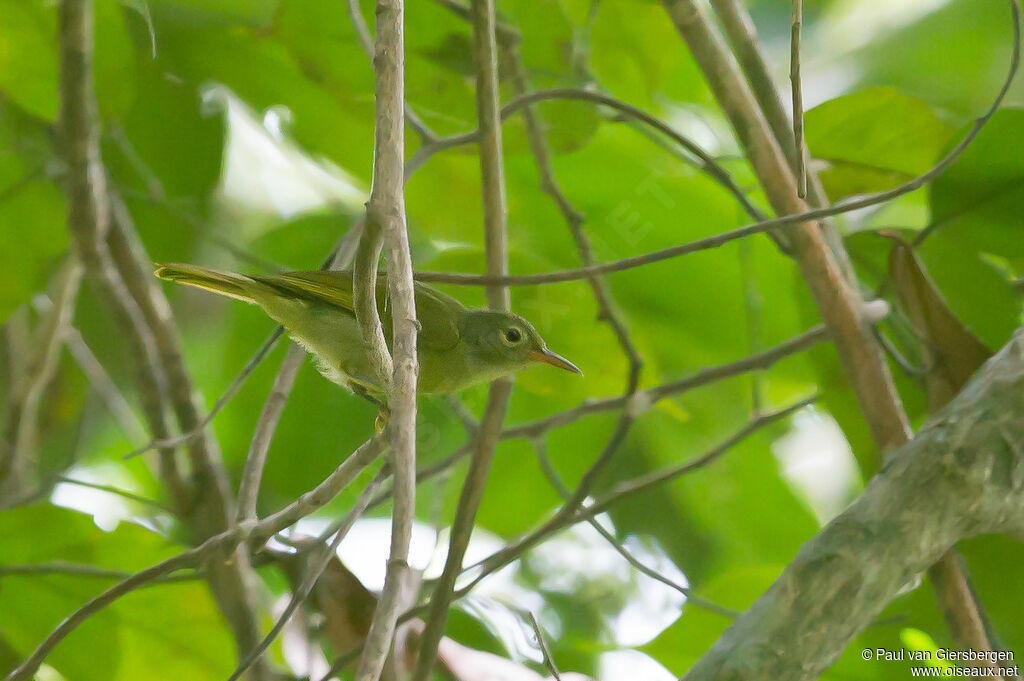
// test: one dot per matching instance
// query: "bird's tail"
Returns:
(235, 286)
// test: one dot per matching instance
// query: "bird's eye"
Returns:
(513, 335)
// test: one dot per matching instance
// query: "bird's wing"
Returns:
(438, 313)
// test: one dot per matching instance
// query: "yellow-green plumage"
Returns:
(456, 346)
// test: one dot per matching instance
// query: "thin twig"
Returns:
(798, 98)
(503, 557)
(622, 490)
(326, 548)
(556, 481)
(364, 297)
(607, 310)
(485, 53)
(738, 25)
(89, 222)
(549, 661)
(705, 162)
(637, 404)
(60, 567)
(839, 303)
(21, 423)
(99, 379)
(644, 399)
(229, 394)
(261, 353)
(212, 505)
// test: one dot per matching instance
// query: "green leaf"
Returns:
(979, 197)
(28, 56)
(873, 140)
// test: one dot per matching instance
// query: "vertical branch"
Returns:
(387, 209)
(798, 99)
(109, 257)
(740, 28)
(839, 304)
(89, 219)
(211, 504)
(485, 52)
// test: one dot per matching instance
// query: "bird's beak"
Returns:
(555, 360)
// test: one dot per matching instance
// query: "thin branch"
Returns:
(798, 99)
(386, 209)
(607, 310)
(99, 379)
(255, 533)
(341, 251)
(492, 172)
(21, 423)
(364, 295)
(89, 221)
(644, 399)
(60, 567)
(326, 549)
(549, 661)
(736, 21)
(503, 557)
(704, 161)
(560, 521)
(222, 401)
(839, 303)
(556, 481)
(637, 404)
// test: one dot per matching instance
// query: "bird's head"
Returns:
(504, 342)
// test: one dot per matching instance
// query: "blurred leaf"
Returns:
(187, 640)
(114, 60)
(28, 56)
(936, 59)
(873, 140)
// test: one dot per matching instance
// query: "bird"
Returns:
(457, 346)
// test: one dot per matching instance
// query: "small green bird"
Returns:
(457, 347)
